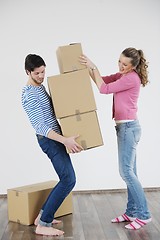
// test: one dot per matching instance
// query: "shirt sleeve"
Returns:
(111, 78)
(35, 113)
(119, 85)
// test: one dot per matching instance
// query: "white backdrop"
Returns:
(104, 28)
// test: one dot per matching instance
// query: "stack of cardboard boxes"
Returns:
(73, 98)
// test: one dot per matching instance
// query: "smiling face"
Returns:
(125, 65)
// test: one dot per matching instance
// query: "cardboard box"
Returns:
(86, 125)
(71, 93)
(68, 58)
(24, 203)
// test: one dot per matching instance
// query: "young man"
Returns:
(38, 106)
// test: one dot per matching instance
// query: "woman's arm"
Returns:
(93, 70)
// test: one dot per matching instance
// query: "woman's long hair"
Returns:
(139, 62)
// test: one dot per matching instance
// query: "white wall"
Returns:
(104, 29)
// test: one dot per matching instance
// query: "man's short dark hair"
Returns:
(33, 61)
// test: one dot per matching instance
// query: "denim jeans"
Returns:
(128, 136)
(62, 164)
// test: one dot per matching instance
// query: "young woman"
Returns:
(125, 86)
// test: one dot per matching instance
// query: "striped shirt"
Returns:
(38, 106)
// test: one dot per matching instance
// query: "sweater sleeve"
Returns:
(123, 83)
(111, 78)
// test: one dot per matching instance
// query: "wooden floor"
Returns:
(90, 220)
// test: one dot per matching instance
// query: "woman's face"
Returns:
(125, 65)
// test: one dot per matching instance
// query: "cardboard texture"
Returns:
(86, 125)
(71, 93)
(68, 58)
(24, 203)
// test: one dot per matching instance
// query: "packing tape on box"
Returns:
(74, 68)
(78, 116)
(17, 194)
(83, 144)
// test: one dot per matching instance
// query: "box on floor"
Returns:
(24, 203)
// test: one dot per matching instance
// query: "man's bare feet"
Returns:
(36, 221)
(55, 221)
(48, 231)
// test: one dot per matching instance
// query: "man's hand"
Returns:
(69, 142)
(72, 145)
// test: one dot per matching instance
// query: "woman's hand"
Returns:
(84, 60)
(93, 70)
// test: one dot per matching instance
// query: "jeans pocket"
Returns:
(137, 134)
(43, 143)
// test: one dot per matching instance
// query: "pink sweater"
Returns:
(126, 90)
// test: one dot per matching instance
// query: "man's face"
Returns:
(37, 76)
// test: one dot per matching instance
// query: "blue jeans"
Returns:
(62, 164)
(128, 136)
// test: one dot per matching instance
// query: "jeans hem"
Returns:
(44, 224)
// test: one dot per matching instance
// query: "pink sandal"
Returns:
(137, 224)
(123, 218)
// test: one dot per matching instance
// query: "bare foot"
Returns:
(36, 221)
(56, 221)
(48, 231)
